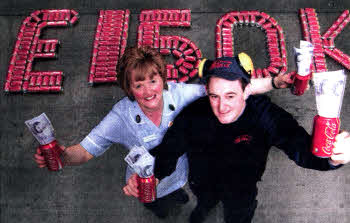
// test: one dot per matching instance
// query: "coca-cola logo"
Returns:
(330, 133)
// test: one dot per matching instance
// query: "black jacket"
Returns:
(232, 156)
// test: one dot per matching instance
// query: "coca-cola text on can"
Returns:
(323, 136)
(147, 189)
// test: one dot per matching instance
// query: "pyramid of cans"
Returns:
(187, 54)
(20, 77)
(109, 45)
(331, 34)
(275, 39)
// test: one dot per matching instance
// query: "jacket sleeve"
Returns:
(285, 133)
(173, 145)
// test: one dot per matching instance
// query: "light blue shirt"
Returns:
(120, 126)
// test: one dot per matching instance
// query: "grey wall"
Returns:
(93, 192)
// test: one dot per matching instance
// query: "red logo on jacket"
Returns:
(220, 64)
(243, 138)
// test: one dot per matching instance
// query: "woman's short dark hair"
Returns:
(143, 62)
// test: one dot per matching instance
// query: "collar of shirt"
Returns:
(169, 107)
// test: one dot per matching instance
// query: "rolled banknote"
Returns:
(41, 128)
(140, 161)
(329, 91)
(304, 57)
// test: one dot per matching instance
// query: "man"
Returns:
(227, 137)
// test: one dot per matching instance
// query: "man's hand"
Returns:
(39, 158)
(131, 188)
(341, 151)
(284, 80)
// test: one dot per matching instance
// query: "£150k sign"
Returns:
(111, 39)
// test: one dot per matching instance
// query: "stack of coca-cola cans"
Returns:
(187, 54)
(311, 32)
(28, 47)
(331, 34)
(109, 45)
(275, 39)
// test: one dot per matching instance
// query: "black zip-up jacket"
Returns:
(232, 157)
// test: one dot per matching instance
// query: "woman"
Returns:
(143, 117)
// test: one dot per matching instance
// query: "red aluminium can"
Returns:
(323, 136)
(147, 189)
(51, 154)
(300, 84)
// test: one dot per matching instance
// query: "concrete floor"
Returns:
(93, 192)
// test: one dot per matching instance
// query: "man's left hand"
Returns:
(341, 151)
(284, 80)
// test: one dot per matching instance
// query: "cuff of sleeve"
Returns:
(92, 147)
(333, 167)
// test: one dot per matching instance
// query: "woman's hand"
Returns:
(131, 188)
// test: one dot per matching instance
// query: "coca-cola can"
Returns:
(219, 53)
(51, 154)
(252, 19)
(228, 24)
(261, 21)
(300, 84)
(187, 65)
(174, 73)
(193, 73)
(183, 70)
(198, 53)
(258, 73)
(190, 58)
(168, 73)
(177, 53)
(267, 25)
(183, 47)
(188, 52)
(323, 136)
(184, 79)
